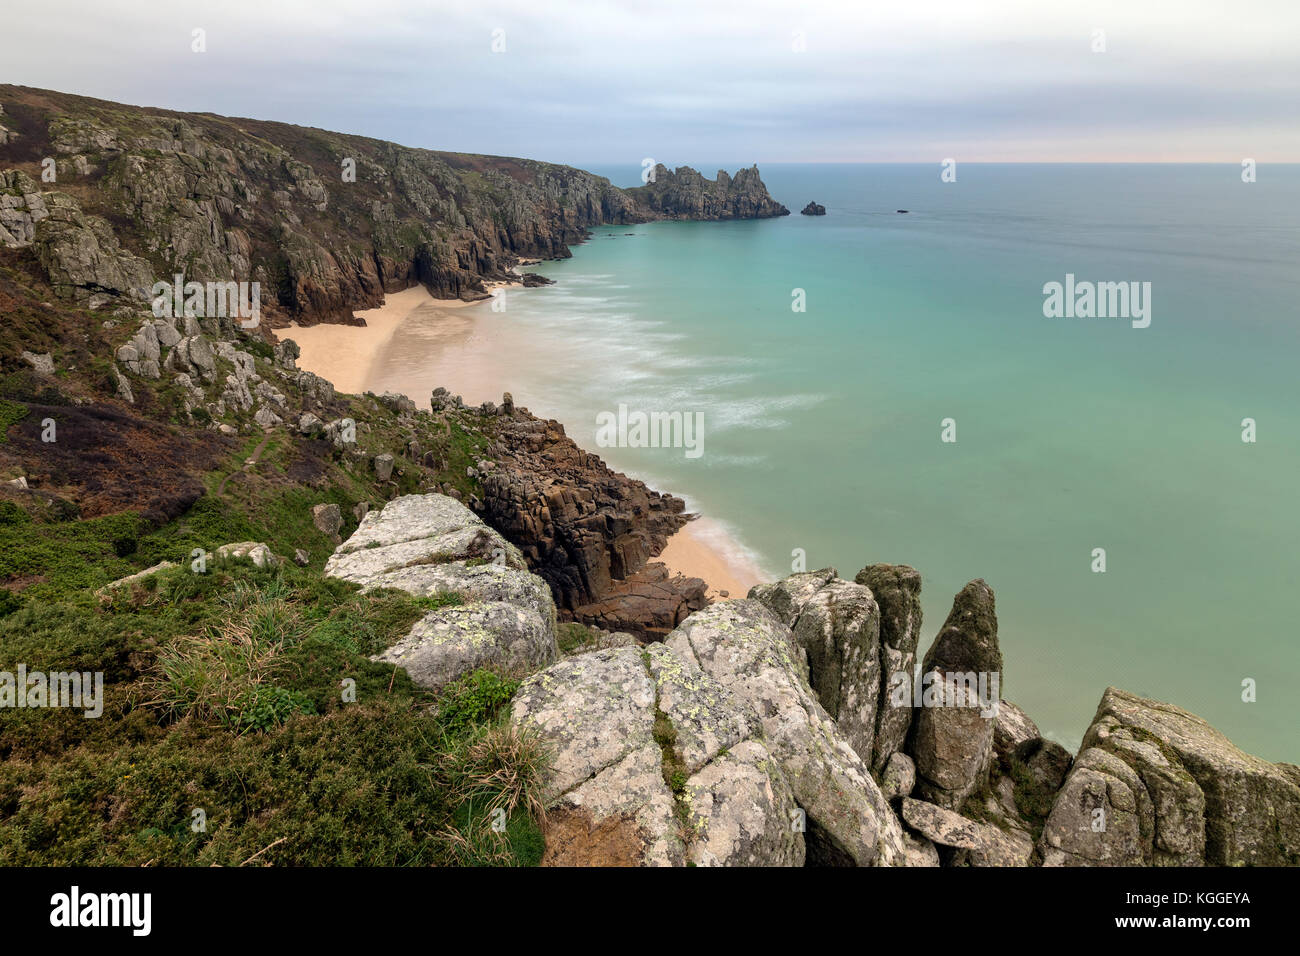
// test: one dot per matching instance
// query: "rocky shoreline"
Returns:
(772, 731)
(800, 725)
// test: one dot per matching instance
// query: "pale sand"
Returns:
(346, 354)
(703, 549)
(441, 342)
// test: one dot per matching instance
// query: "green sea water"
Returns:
(822, 428)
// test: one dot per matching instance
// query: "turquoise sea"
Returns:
(823, 428)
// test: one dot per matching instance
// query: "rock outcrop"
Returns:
(654, 765)
(685, 194)
(580, 525)
(952, 736)
(838, 627)
(897, 590)
(750, 651)
(432, 544)
(709, 748)
(1156, 785)
(813, 209)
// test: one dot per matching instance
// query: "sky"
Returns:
(602, 83)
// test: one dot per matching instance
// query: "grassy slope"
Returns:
(223, 689)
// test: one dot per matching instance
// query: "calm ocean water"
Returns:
(822, 428)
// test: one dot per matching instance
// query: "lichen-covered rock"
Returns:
(1102, 816)
(839, 627)
(968, 640)
(748, 650)
(897, 590)
(952, 735)
(654, 764)
(418, 530)
(785, 598)
(918, 851)
(327, 518)
(1011, 728)
(21, 207)
(1154, 784)
(899, 777)
(740, 812)
(429, 545)
(837, 623)
(482, 582)
(979, 844)
(452, 641)
(942, 826)
(952, 745)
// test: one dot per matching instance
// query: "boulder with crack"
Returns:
(432, 544)
(749, 650)
(837, 623)
(656, 764)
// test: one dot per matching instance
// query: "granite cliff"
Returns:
(326, 222)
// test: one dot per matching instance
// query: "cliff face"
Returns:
(326, 222)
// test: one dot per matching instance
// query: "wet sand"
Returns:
(414, 343)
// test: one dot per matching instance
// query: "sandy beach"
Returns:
(346, 354)
(414, 342)
(703, 549)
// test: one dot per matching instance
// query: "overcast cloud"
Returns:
(696, 82)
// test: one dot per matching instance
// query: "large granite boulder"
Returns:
(430, 545)
(654, 764)
(897, 590)
(417, 531)
(748, 649)
(952, 736)
(785, 598)
(453, 641)
(837, 623)
(1156, 785)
